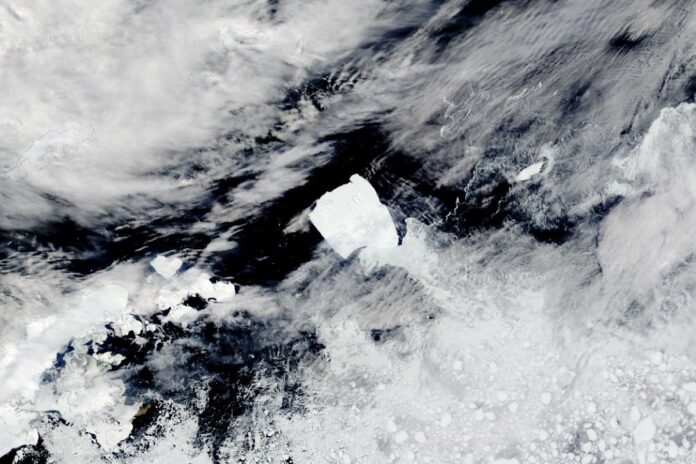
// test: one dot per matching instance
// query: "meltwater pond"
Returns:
(319, 231)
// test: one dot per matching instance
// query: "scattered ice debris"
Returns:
(506, 461)
(352, 217)
(166, 267)
(530, 171)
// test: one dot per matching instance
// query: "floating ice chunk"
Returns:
(445, 420)
(352, 217)
(691, 408)
(591, 435)
(591, 408)
(401, 437)
(644, 431)
(166, 267)
(530, 171)
(656, 358)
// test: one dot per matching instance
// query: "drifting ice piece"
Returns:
(530, 171)
(352, 217)
(166, 267)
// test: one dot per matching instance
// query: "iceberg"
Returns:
(166, 267)
(352, 217)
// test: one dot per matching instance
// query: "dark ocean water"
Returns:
(510, 282)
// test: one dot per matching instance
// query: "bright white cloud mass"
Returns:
(324, 231)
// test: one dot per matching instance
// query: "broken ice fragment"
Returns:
(166, 267)
(352, 217)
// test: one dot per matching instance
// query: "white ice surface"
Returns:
(530, 171)
(166, 267)
(352, 217)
